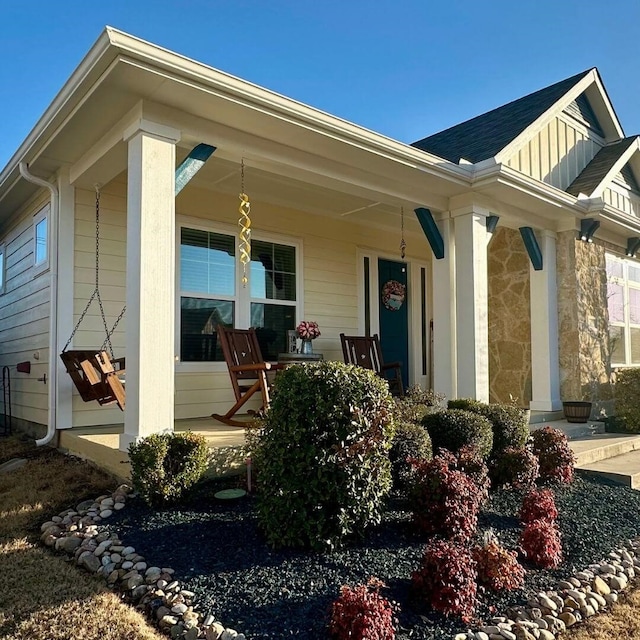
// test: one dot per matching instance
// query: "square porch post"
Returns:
(472, 324)
(444, 315)
(150, 280)
(545, 366)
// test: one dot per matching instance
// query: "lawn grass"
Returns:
(43, 596)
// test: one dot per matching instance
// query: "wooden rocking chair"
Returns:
(247, 370)
(365, 351)
(95, 376)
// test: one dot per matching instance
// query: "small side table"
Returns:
(294, 358)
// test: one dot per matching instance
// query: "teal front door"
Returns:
(394, 335)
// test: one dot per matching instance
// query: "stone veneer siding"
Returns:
(509, 318)
(583, 318)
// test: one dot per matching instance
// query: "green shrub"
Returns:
(510, 427)
(415, 404)
(452, 429)
(410, 441)
(627, 394)
(165, 465)
(518, 468)
(322, 455)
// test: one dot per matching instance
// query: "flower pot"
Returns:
(576, 411)
(306, 347)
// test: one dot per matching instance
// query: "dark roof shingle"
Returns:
(593, 174)
(486, 135)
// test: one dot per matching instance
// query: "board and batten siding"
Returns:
(622, 198)
(24, 315)
(558, 153)
(329, 272)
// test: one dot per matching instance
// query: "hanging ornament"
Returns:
(403, 244)
(244, 244)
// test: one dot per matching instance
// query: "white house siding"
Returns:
(622, 198)
(557, 153)
(329, 250)
(24, 315)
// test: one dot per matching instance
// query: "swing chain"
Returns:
(96, 293)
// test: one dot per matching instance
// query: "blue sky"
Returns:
(404, 68)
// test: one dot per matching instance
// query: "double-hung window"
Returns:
(623, 301)
(212, 293)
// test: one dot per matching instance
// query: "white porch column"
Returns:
(444, 315)
(150, 281)
(64, 306)
(545, 366)
(472, 332)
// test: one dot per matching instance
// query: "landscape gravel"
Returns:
(219, 554)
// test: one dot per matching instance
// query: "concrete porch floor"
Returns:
(100, 444)
(614, 455)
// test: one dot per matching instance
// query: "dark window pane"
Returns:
(198, 321)
(272, 322)
(616, 344)
(635, 345)
(367, 299)
(273, 271)
(207, 262)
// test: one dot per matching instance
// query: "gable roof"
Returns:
(601, 166)
(486, 135)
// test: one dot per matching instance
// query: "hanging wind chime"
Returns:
(244, 222)
(403, 244)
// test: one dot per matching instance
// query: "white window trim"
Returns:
(626, 325)
(242, 315)
(3, 268)
(41, 267)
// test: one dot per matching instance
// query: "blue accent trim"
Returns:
(192, 164)
(588, 227)
(633, 244)
(432, 232)
(492, 223)
(532, 247)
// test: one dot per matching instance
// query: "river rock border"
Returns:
(549, 613)
(81, 534)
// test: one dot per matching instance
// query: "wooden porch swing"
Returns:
(96, 373)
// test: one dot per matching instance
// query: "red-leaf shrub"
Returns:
(470, 461)
(554, 454)
(540, 542)
(445, 500)
(538, 504)
(514, 467)
(361, 613)
(497, 567)
(446, 579)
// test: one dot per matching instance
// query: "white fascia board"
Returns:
(554, 111)
(179, 67)
(629, 223)
(616, 168)
(95, 59)
(501, 173)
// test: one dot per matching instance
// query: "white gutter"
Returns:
(53, 299)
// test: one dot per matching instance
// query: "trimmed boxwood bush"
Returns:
(411, 441)
(509, 423)
(322, 455)
(165, 465)
(453, 429)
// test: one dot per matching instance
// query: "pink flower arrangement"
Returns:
(308, 330)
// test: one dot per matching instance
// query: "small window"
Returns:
(41, 240)
(2, 269)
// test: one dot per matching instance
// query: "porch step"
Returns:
(623, 469)
(537, 417)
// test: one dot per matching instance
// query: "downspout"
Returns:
(53, 301)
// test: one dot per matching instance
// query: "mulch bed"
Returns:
(218, 551)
